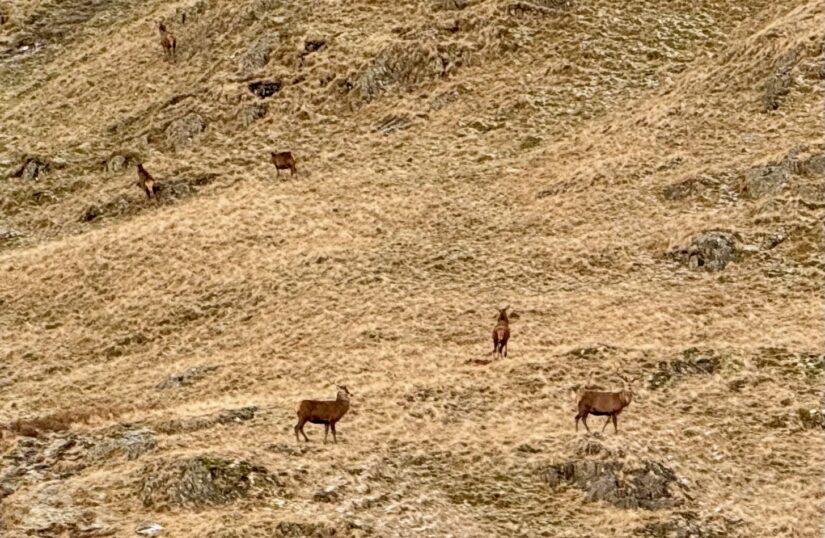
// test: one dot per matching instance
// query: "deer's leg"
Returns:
(277, 171)
(326, 432)
(300, 428)
(607, 422)
(504, 348)
(584, 421)
(578, 416)
(334, 438)
(615, 427)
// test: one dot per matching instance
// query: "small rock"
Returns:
(92, 212)
(187, 377)
(765, 180)
(181, 132)
(709, 251)
(250, 114)
(237, 415)
(265, 88)
(327, 495)
(8, 233)
(148, 529)
(116, 164)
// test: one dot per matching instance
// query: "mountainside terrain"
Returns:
(641, 182)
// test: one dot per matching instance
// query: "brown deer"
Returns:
(147, 182)
(284, 160)
(501, 333)
(167, 41)
(602, 403)
(326, 412)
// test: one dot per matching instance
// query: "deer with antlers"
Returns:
(326, 412)
(602, 403)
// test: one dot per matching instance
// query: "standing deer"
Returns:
(501, 333)
(283, 160)
(601, 403)
(326, 412)
(167, 41)
(147, 182)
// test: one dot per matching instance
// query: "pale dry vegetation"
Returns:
(642, 182)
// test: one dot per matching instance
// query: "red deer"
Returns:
(326, 412)
(147, 182)
(501, 333)
(601, 403)
(167, 41)
(284, 160)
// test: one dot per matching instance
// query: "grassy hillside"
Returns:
(641, 182)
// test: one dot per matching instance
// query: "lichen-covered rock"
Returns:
(202, 481)
(182, 131)
(779, 82)
(712, 250)
(187, 377)
(765, 180)
(647, 485)
(252, 113)
(406, 63)
(694, 361)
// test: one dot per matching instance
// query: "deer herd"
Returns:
(328, 412)
(283, 160)
(589, 400)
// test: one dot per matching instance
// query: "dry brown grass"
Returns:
(527, 169)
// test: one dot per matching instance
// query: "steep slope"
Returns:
(565, 158)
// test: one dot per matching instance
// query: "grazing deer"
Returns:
(501, 333)
(601, 403)
(167, 41)
(284, 160)
(326, 412)
(147, 182)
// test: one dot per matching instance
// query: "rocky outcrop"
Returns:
(647, 485)
(202, 481)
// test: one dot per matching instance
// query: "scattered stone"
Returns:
(712, 250)
(252, 113)
(122, 439)
(811, 418)
(116, 164)
(202, 481)
(779, 82)
(327, 495)
(259, 55)
(289, 449)
(314, 45)
(237, 415)
(765, 180)
(8, 233)
(148, 529)
(685, 525)
(695, 361)
(187, 377)
(92, 212)
(409, 62)
(265, 88)
(182, 131)
(647, 485)
(392, 123)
